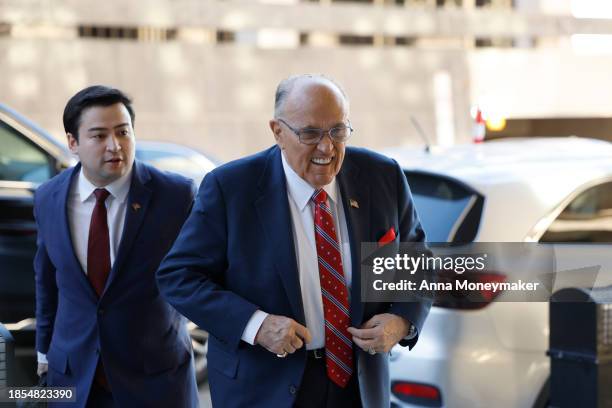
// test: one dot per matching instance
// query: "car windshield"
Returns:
(448, 210)
(188, 163)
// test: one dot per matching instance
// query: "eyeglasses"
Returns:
(312, 136)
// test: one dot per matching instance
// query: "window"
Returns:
(588, 218)
(5, 29)
(20, 160)
(141, 33)
(349, 39)
(108, 32)
(226, 36)
(449, 210)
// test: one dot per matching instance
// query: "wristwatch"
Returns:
(412, 332)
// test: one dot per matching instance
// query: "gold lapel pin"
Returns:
(354, 203)
(136, 206)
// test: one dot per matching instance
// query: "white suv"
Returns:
(514, 190)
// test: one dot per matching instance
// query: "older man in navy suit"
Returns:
(103, 228)
(268, 262)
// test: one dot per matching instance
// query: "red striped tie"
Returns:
(338, 344)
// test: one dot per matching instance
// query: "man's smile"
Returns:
(322, 161)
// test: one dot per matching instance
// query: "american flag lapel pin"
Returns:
(353, 203)
(135, 206)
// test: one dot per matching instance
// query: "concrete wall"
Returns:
(543, 83)
(219, 98)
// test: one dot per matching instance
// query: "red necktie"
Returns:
(98, 247)
(98, 259)
(334, 292)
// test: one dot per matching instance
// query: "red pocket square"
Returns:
(388, 237)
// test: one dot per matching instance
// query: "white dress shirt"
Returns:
(302, 216)
(81, 202)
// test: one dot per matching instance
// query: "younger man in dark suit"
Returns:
(103, 228)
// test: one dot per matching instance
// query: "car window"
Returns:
(587, 218)
(191, 165)
(449, 210)
(153, 155)
(20, 160)
(169, 161)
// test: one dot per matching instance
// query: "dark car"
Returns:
(28, 157)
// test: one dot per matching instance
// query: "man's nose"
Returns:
(326, 144)
(113, 144)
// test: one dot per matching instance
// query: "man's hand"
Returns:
(280, 335)
(42, 368)
(380, 333)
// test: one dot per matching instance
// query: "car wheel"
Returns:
(199, 342)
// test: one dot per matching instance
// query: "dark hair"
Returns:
(97, 95)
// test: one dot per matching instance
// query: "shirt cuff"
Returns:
(42, 358)
(412, 332)
(252, 327)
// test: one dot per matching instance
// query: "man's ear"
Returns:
(73, 143)
(276, 131)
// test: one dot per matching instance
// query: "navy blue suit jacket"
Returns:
(235, 254)
(143, 341)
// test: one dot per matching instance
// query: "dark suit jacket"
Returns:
(235, 254)
(143, 342)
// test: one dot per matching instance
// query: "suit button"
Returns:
(100, 312)
(292, 389)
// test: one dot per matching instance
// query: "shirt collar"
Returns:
(119, 188)
(300, 190)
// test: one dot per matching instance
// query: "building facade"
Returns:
(203, 72)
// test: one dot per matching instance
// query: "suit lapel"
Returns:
(137, 204)
(60, 197)
(275, 218)
(356, 202)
